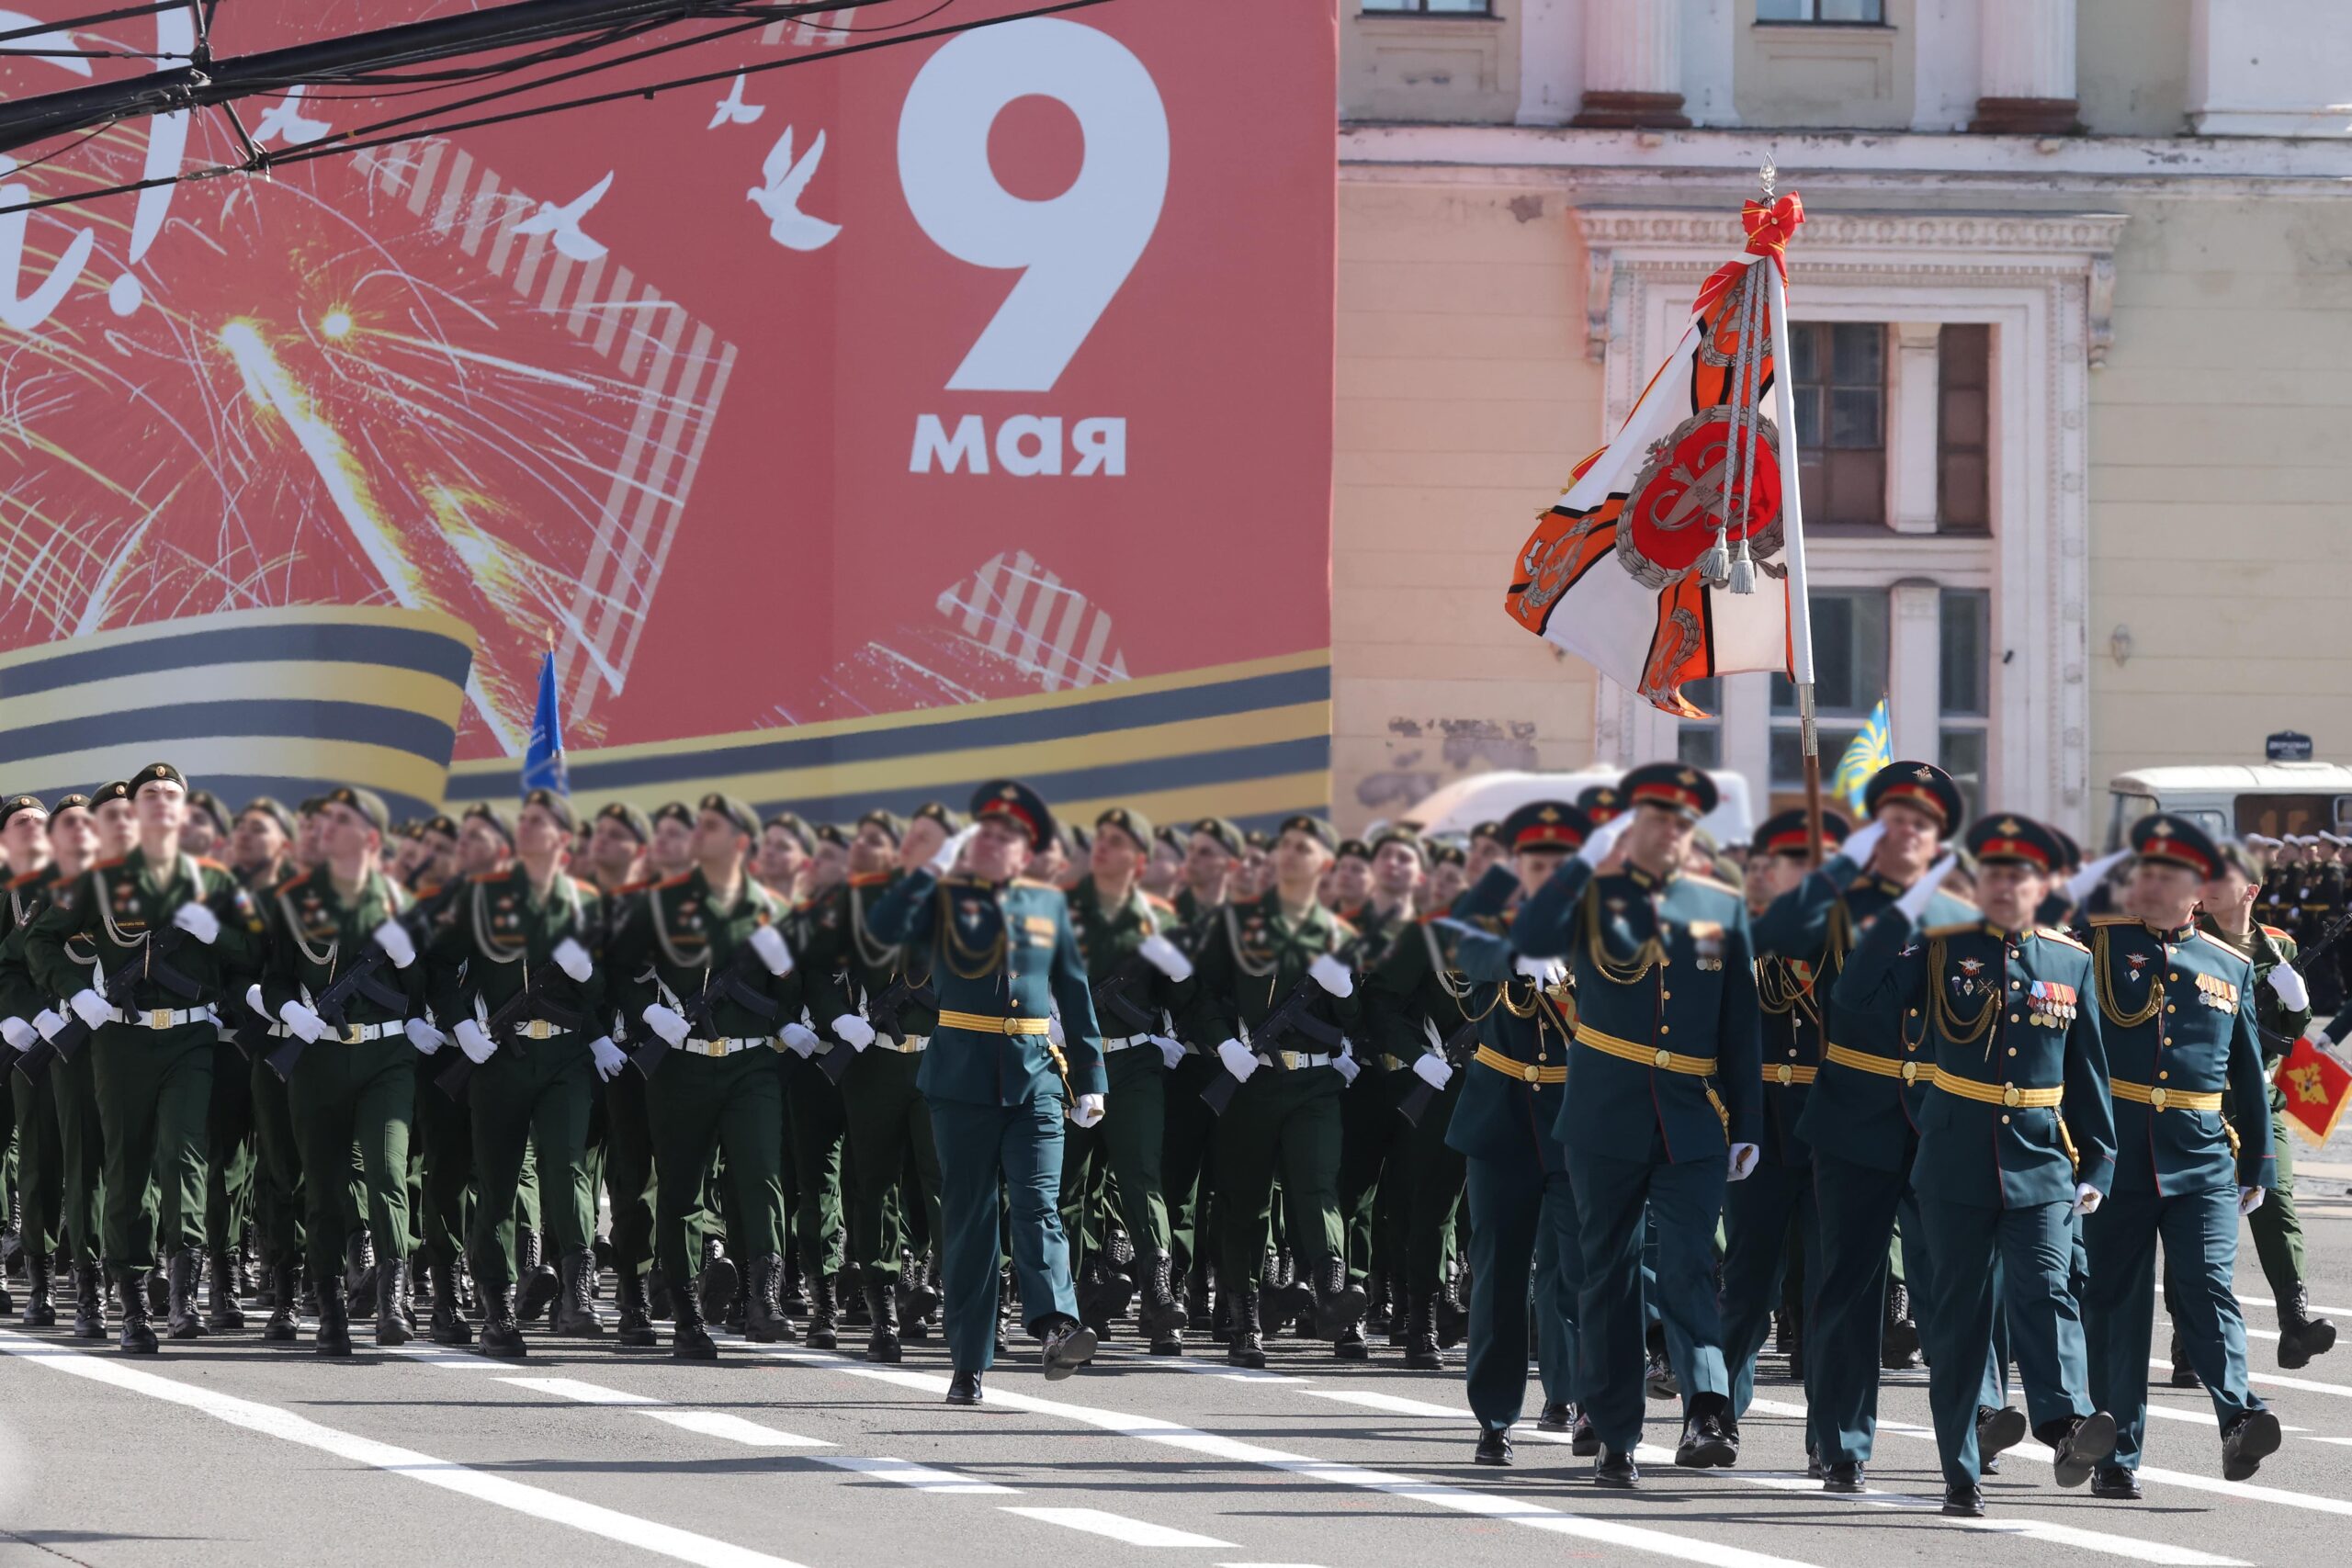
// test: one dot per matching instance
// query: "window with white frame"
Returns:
(1850, 12)
(1963, 688)
(1428, 7)
(1850, 664)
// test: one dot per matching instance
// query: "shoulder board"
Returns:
(1031, 882)
(488, 876)
(290, 882)
(1154, 903)
(678, 880)
(211, 864)
(1710, 882)
(588, 888)
(31, 877)
(2053, 934)
(1346, 928)
(2273, 930)
(108, 864)
(1953, 929)
(869, 879)
(626, 888)
(2226, 947)
(2113, 920)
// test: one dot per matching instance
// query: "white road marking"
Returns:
(665, 1540)
(2308, 1385)
(1507, 1510)
(585, 1392)
(1395, 1405)
(923, 1478)
(1135, 1532)
(735, 1429)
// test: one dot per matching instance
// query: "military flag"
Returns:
(1670, 557)
(543, 759)
(1868, 752)
(2317, 1088)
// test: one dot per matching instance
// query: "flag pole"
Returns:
(1784, 410)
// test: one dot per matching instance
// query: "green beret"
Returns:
(366, 802)
(1134, 824)
(556, 805)
(270, 806)
(640, 825)
(1229, 838)
(746, 820)
(501, 823)
(157, 772)
(1316, 827)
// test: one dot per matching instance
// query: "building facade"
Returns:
(2067, 314)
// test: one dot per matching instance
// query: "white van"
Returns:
(1489, 797)
(2230, 800)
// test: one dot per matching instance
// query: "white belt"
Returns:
(1295, 1060)
(722, 1047)
(360, 1034)
(540, 1029)
(163, 1018)
(909, 1046)
(1123, 1043)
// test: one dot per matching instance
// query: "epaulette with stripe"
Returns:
(1032, 882)
(108, 864)
(2273, 930)
(628, 888)
(678, 880)
(869, 879)
(209, 863)
(2054, 934)
(297, 876)
(589, 889)
(1154, 903)
(2224, 946)
(30, 877)
(1953, 929)
(2097, 920)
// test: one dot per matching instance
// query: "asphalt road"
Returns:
(228, 1452)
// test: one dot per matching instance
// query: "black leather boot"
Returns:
(636, 1325)
(40, 1312)
(1421, 1335)
(500, 1336)
(689, 1341)
(335, 1318)
(794, 1296)
(536, 1284)
(1246, 1347)
(159, 1292)
(1338, 1305)
(575, 1309)
(1494, 1448)
(89, 1303)
(1162, 1317)
(716, 1288)
(449, 1325)
(359, 1273)
(1898, 1348)
(183, 1322)
(1376, 1315)
(391, 1303)
(221, 1312)
(922, 1292)
(1068, 1346)
(284, 1317)
(763, 1315)
(2301, 1335)
(1453, 1317)
(2183, 1375)
(963, 1388)
(138, 1338)
(1198, 1315)
(824, 1315)
(882, 1345)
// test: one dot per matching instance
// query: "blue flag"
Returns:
(1872, 750)
(543, 759)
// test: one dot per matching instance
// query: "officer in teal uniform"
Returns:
(1003, 961)
(1512, 1090)
(2177, 1013)
(2015, 1138)
(1758, 1212)
(1662, 1104)
(1860, 1117)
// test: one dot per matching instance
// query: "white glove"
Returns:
(1604, 837)
(1167, 957)
(1332, 976)
(1546, 972)
(1346, 1066)
(47, 1023)
(2290, 987)
(424, 1036)
(1170, 1050)
(2249, 1200)
(19, 1034)
(668, 1022)
(943, 860)
(1434, 1069)
(855, 1029)
(572, 959)
(1053, 1031)
(198, 922)
(773, 949)
(1863, 842)
(304, 1021)
(1742, 1161)
(1914, 904)
(394, 938)
(1238, 1060)
(254, 999)
(608, 1057)
(1088, 1111)
(2079, 885)
(90, 1008)
(473, 1042)
(801, 1040)
(2087, 1199)
(2316, 1032)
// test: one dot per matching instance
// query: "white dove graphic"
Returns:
(563, 223)
(780, 197)
(285, 121)
(733, 110)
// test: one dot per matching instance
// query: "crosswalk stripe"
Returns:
(734, 1429)
(2279, 1380)
(1502, 1509)
(269, 1421)
(585, 1393)
(923, 1478)
(1118, 1527)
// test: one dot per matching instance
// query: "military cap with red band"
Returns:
(2019, 840)
(1674, 785)
(2177, 840)
(1011, 800)
(1920, 785)
(1784, 833)
(1545, 824)
(1599, 803)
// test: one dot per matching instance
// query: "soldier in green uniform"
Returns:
(74, 842)
(1135, 972)
(1213, 851)
(40, 1173)
(231, 1165)
(355, 1083)
(1662, 1104)
(617, 843)
(1005, 962)
(1271, 988)
(2177, 1019)
(2015, 1139)
(189, 928)
(521, 953)
(702, 962)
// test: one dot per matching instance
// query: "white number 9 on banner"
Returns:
(1075, 250)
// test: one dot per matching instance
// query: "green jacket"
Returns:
(1253, 957)
(20, 903)
(865, 968)
(109, 909)
(499, 938)
(314, 936)
(1107, 940)
(671, 940)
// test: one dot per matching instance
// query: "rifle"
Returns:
(1457, 1050)
(149, 960)
(883, 1012)
(1112, 1002)
(1293, 1015)
(525, 1006)
(360, 980)
(730, 983)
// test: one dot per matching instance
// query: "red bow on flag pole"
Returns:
(1771, 227)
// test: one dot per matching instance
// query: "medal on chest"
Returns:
(2138, 965)
(2217, 993)
(318, 924)
(2051, 1004)
(505, 919)
(1969, 979)
(1707, 943)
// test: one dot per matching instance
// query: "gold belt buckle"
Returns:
(2010, 1095)
(1785, 1073)
(159, 1017)
(1910, 1072)
(1532, 1073)
(354, 1034)
(1665, 1056)
(537, 1029)
(2156, 1098)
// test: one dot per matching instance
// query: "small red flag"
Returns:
(2318, 1088)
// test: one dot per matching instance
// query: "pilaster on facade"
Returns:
(2026, 68)
(1633, 66)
